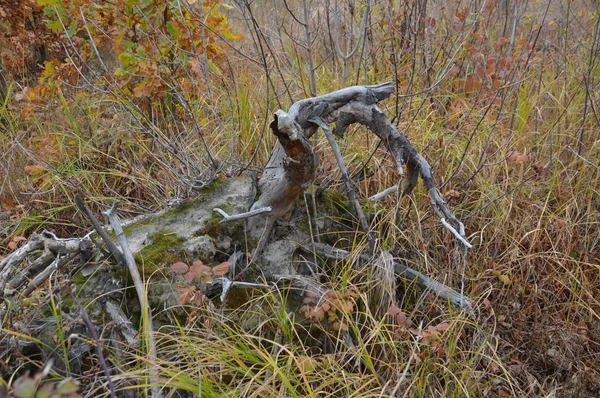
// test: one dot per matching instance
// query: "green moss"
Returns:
(165, 249)
(234, 230)
(212, 227)
(336, 201)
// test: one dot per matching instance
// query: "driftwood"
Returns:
(56, 254)
(293, 163)
(422, 281)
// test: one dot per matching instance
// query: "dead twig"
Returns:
(113, 249)
(115, 222)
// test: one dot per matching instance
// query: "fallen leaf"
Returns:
(221, 269)
(502, 277)
(34, 170)
(180, 267)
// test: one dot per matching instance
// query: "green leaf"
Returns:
(45, 391)
(24, 387)
(129, 44)
(66, 387)
(127, 58)
(172, 31)
(54, 25)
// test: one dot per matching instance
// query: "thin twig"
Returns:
(241, 216)
(92, 329)
(347, 181)
(113, 249)
(582, 158)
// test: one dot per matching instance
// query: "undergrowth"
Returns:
(500, 97)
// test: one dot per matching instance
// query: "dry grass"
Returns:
(519, 166)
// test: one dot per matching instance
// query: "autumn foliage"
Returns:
(144, 49)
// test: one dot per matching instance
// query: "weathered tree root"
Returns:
(57, 253)
(293, 163)
(424, 282)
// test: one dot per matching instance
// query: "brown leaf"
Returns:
(480, 72)
(519, 158)
(393, 310)
(452, 193)
(34, 170)
(454, 71)
(307, 363)
(442, 327)
(184, 298)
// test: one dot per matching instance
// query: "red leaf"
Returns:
(442, 327)
(393, 310)
(454, 71)
(189, 277)
(221, 269)
(180, 267)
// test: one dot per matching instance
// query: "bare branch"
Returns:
(241, 216)
(139, 288)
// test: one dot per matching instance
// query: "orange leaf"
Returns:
(454, 71)
(26, 111)
(470, 48)
(472, 84)
(184, 298)
(222, 268)
(480, 72)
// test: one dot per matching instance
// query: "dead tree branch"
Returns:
(139, 288)
(293, 163)
(421, 280)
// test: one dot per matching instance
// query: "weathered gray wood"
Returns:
(291, 168)
(292, 165)
(138, 283)
(421, 280)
